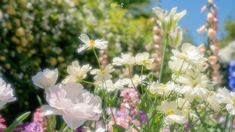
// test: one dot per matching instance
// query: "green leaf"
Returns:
(20, 119)
(117, 128)
(52, 123)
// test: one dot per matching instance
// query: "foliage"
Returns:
(38, 34)
(230, 33)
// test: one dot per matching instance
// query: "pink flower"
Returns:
(123, 121)
(129, 93)
(2, 123)
(38, 116)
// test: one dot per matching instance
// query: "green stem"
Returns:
(129, 71)
(96, 56)
(226, 123)
(141, 74)
(163, 57)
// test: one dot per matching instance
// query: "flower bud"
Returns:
(214, 49)
(210, 17)
(213, 59)
(211, 33)
(210, 1)
(157, 38)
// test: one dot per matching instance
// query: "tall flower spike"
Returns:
(212, 27)
(157, 48)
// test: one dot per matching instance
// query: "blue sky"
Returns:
(194, 18)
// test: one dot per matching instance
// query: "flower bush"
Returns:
(127, 92)
(39, 34)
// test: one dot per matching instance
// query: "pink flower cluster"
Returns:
(211, 27)
(127, 115)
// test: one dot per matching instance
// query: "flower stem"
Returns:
(96, 56)
(163, 57)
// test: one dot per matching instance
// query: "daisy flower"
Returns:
(90, 43)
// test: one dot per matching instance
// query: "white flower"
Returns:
(137, 80)
(73, 103)
(189, 54)
(193, 79)
(227, 53)
(144, 60)
(214, 102)
(162, 89)
(107, 85)
(110, 86)
(46, 78)
(6, 93)
(176, 37)
(227, 98)
(125, 59)
(178, 65)
(103, 73)
(173, 114)
(133, 82)
(76, 72)
(168, 21)
(89, 43)
(193, 85)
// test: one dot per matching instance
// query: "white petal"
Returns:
(72, 122)
(231, 109)
(84, 38)
(48, 110)
(79, 50)
(101, 44)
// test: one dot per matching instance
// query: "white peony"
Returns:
(46, 78)
(76, 72)
(89, 43)
(75, 104)
(6, 93)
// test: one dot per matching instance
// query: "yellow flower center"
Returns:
(91, 43)
(170, 112)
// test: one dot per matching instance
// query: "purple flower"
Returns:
(33, 127)
(80, 129)
(143, 117)
(20, 127)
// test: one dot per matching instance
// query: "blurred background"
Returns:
(37, 34)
